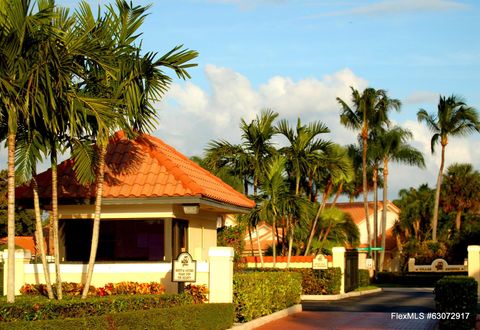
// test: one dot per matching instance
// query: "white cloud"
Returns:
(399, 7)
(190, 117)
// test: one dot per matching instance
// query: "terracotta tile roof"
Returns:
(357, 210)
(25, 242)
(141, 168)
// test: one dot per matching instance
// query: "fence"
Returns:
(216, 274)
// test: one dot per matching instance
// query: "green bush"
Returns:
(321, 281)
(201, 316)
(36, 308)
(457, 294)
(412, 279)
(363, 278)
(256, 294)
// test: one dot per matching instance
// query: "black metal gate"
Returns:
(351, 270)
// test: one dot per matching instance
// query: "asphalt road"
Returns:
(401, 300)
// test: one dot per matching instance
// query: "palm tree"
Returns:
(334, 166)
(370, 110)
(453, 118)
(460, 191)
(21, 34)
(30, 147)
(304, 147)
(247, 160)
(394, 147)
(136, 84)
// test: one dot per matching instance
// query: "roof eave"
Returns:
(218, 205)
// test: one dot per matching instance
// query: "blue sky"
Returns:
(296, 57)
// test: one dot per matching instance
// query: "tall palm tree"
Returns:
(247, 160)
(460, 191)
(370, 110)
(394, 147)
(137, 83)
(22, 30)
(334, 166)
(453, 118)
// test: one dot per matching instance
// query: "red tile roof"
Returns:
(142, 168)
(25, 242)
(357, 209)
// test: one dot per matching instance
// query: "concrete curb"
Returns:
(338, 296)
(267, 318)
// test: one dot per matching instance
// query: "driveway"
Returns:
(394, 308)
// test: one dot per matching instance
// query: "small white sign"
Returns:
(184, 268)
(369, 263)
(320, 262)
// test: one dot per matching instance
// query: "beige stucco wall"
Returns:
(391, 218)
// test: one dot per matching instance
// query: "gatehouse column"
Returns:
(338, 254)
(474, 264)
(220, 274)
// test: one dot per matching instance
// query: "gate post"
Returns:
(220, 275)
(474, 264)
(21, 258)
(338, 254)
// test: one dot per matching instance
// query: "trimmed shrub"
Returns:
(256, 294)
(203, 316)
(412, 279)
(36, 308)
(320, 281)
(363, 278)
(457, 294)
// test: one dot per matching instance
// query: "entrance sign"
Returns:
(184, 268)
(320, 262)
(438, 265)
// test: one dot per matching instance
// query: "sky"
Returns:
(297, 57)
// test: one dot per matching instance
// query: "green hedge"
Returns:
(256, 294)
(457, 294)
(412, 279)
(201, 316)
(39, 308)
(363, 278)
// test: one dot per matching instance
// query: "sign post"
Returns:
(184, 269)
(320, 262)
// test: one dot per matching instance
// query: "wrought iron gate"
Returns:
(351, 270)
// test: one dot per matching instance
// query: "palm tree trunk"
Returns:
(437, 195)
(39, 236)
(274, 243)
(11, 219)
(337, 195)
(328, 188)
(96, 220)
(259, 247)
(458, 220)
(56, 248)
(384, 212)
(251, 240)
(365, 189)
(290, 229)
(375, 214)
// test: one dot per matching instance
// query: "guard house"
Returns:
(156, 204)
